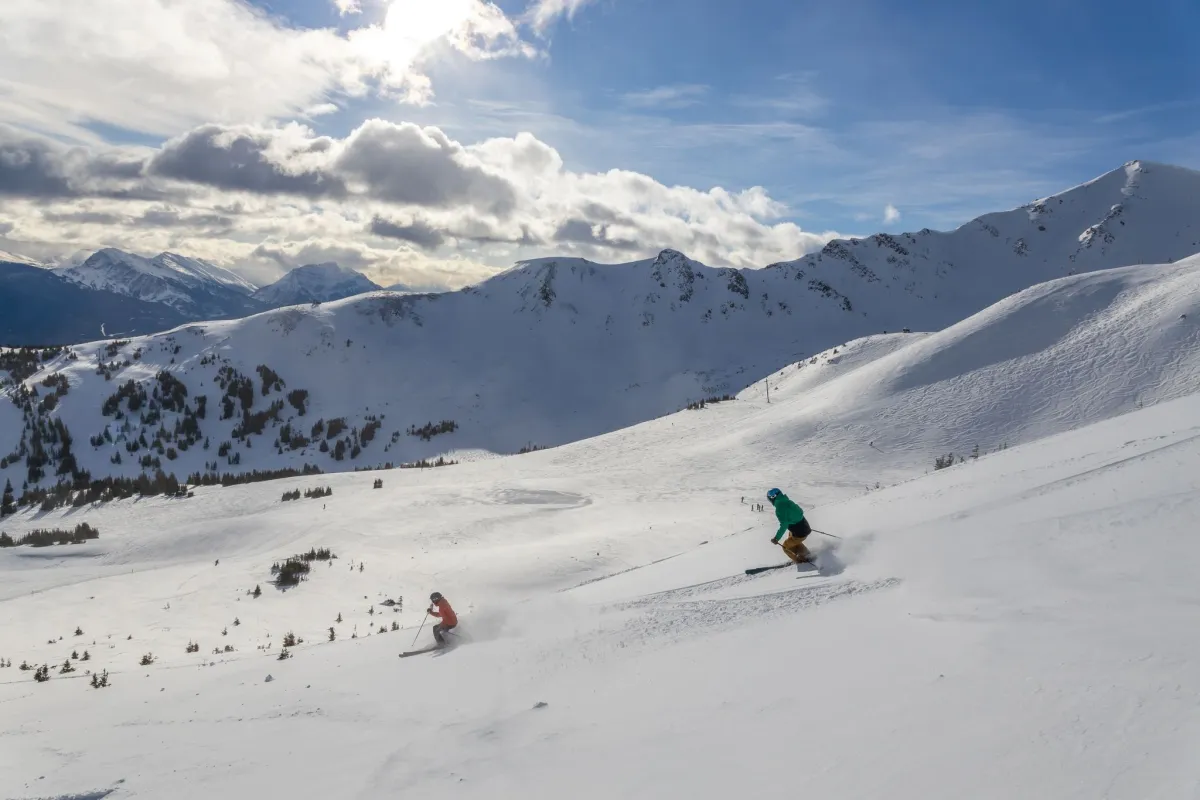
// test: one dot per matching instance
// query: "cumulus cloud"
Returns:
(891, 214)
(284, 160)
(36, 167)
(417, 232)
(385, 194)
(410, 165)
(345, 7)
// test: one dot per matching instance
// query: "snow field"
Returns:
(1020, 625)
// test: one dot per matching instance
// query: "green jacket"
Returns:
(788, 513)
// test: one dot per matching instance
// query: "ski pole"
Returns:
(421, 628)
(823, 533)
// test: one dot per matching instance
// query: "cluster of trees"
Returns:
(294, 494)
(22, 362)
(701, 404)
(255, 476)
(84, 491)
(270, 379)
(431, 429)
(299, 400)
(46, 537)
(427, 464)
(295, 568)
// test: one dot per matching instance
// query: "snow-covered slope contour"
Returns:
(314, 283)
(981, 632)
(191, 286)
(1056, 356)
(1060, 355)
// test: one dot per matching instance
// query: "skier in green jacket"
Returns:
(792, 522)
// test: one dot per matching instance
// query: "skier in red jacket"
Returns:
(441, 609)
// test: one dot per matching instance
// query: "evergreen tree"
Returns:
(7, 502)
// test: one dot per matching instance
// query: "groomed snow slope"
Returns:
(1019, 626)
(1016, 626)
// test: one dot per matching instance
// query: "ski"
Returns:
(432, 649)
(757, 570)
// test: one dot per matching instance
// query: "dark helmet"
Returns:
(772, 494)
(433, 598)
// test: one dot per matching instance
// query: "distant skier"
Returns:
(442, 610)
(791, 521)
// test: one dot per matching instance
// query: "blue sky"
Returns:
(943, 109)
(436, 141)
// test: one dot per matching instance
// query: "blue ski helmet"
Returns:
(773, 493)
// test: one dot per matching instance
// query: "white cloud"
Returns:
(345, 7)
(891, 214)
(392, 195)
(674, 96)
(158, 66)
(320, 110)
(543, 13)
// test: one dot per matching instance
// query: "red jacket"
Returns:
(443, 611)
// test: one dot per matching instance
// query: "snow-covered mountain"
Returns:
(38, 307)
(193, 287)
(557, 350)
(314, 283)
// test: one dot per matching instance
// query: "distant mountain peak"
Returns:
(196, 288)
(315, 283)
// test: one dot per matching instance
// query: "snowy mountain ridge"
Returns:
(561, 349)
(194, 287)
(314, 283)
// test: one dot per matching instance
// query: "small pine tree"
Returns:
(147, 660)
(86, 656)
(66, 667)
(257, 591)
(383, 628)
(332, 634)
(236, 622)
(339, 619)
(284, 654)
(75, 655)
(79, 631)
(42, 674)
(289, 639)
(395, 625)
(371, 611)
(224, 631)
(7, 501)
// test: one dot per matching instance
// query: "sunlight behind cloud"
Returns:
(395, 47)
